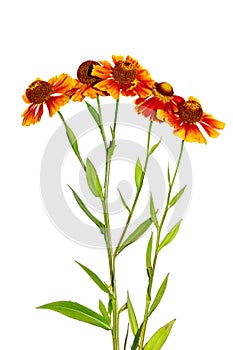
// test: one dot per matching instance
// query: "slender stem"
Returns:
(72, 141)
(138, 191)
(115, 118)
(107, 231)
(101, 123)
(159, 230)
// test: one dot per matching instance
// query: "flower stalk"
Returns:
(159, 231)
(131, 212)
(107, 231)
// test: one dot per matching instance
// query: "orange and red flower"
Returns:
(51, 92)
(85, 84)
(185, 120)
(126, 76)
(161, 97)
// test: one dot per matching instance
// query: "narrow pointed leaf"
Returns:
(73, 142)
(138, 173)
(132, 317)
(176, 197)
(148, 253)
(136, 339)
(153, 148)
(93, 180)
(122, 308)
(104, 311)
(159, 338)
(86, 210)
(153, 213)
(94, 277)
(110, 305)
(72, 139)
(93, 112)
(123, 201)
(78, 312)
(133, 237)
(170, 236)
(159, 295)
(126, 337)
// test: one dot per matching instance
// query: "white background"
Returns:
(189, 44)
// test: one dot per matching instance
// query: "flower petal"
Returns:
(106, 64)
(62, 83)
(117, 59)
(134, 62)
(190, 133)
(180, 132)
(162, 115)
(209, 130)
(143, 90)
(110, 86)
(193, 134)
(32, 114)
(217, 124)
(25, 98)
(78, 94)
(101, 72)
(55, 103)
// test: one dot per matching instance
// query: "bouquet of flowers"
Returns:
(157, 102)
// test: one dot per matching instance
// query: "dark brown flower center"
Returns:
(39, 91)
(124, 72)
(84, 73)
(165, 89)
(190, 111)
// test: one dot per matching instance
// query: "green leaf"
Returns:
(153, 213)
(93, 112)
(136, 339)
(104, 311)
(110, 304)
(132, 317)
(176, 197)
(135, 235)
(126, 337)
(93, 180)
(153, 148)
(72, 139)
(123, 201)
(148, 254)
(112, 132)
(85, 210)
(159, 338)
(94, 277)
(159, 295)
(170, 236)
(78, 312)
(138, 173)
(122, 308)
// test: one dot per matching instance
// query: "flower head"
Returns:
(51, 92)
(85, 84)
(125, 76)
(161, 97)
(189, 118)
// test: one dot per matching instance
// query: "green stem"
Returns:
(115, 118)
(159, 230)
(138, 191)
(76, 151)
(101, 123)
(107, 233)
